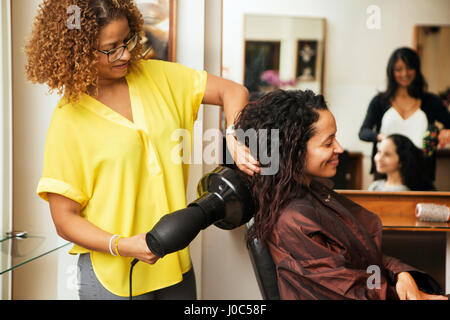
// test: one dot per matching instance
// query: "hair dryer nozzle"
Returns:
(236, 203)
(224, 199)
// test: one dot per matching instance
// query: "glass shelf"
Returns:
(20, 248)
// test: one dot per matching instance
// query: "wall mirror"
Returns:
(341, 51)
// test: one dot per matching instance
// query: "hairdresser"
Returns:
(406, 108)
(108, 170)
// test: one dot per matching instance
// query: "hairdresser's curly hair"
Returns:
(63, 57)
(294, 113)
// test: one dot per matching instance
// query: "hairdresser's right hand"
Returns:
(444, 138)
(136, 247)
(242, 156)
(381, 136)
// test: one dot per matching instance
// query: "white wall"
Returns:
(32, 110)
(355, 56)
(190, 20)
(5, 143)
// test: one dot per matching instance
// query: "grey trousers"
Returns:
(91, 289)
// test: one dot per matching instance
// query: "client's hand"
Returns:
(242, 156)
(407, 289)
(136, 247)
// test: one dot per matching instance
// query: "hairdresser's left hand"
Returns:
(242, 157)
(407, 289)
(444, 138)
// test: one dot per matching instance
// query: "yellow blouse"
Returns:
(124, 174)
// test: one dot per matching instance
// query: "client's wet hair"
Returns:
(293, 113)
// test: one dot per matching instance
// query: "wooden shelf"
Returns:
(397, 209)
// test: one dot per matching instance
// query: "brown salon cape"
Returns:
(323, 245)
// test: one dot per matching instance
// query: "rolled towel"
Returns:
(432, 212)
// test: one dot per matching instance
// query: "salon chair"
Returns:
(264, 268)
(262, 262)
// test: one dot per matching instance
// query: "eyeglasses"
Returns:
(115, 54)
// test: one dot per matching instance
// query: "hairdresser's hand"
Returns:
(136, 247)
(444, 138)
(381, 137)
(407, 289)
(242, 156)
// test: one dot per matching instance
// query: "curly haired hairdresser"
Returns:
(108, 174)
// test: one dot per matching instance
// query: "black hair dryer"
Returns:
(224, 199)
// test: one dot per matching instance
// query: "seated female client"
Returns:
(324, 246)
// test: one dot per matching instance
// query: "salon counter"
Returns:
(397, 209)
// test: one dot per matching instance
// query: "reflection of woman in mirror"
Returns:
(405, 107)
(322, 243)
(401, 164)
